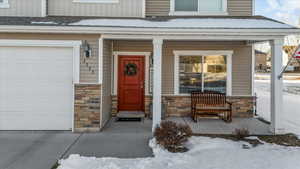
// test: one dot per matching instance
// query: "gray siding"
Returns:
(88, 66)
(125, 8)
(106, 85)
(235, 7)
(241, 66)
(157, 7)
(30, 8)
(240, 7)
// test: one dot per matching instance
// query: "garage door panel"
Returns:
(36, 88)
(31, 123)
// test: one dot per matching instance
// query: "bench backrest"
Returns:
(210, 98)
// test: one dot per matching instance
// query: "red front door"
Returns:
(131, 78)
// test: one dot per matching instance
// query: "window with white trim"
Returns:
(202, 71)
(96, 1)
(4, 4)
(198, 7)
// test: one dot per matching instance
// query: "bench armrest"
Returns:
(230, 103)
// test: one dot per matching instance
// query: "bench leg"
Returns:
(225, 117)
(195, 118)
(230, 116)
(194, 115)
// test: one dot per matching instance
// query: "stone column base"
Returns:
(87, 107)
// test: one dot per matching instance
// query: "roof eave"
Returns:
(149, 31)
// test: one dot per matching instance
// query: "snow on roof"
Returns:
(217, 23)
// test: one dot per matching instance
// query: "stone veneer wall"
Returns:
(177, 105)
(243, 106)
(181, 105)
(87, 107)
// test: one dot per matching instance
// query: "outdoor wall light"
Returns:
(87, 49)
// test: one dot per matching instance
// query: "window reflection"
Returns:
(214, 68)
(199, 73)
(190, 73)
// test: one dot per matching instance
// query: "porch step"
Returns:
(130, 115)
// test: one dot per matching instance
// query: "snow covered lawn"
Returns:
(204, 153)
(291, 102)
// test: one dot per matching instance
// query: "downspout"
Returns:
(253, 7)
(44, 8)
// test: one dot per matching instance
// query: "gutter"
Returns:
(145, 31)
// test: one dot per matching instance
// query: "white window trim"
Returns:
(75, 45)
(4, 4)
(96, 1)
(182, 13)
(115, 69)
(227, 53)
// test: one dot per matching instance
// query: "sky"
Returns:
(287, 11)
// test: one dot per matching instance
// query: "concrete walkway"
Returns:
(118, 139)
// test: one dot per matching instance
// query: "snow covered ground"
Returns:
(291, 105)
(217, 153)
(205, 153)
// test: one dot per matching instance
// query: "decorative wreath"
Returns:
(131, 69)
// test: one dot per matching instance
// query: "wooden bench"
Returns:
(210, 104)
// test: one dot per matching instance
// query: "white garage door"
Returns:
(36, 91)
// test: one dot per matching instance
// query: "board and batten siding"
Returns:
(89, 68)
(235, 7)
(106, 83)
(30, 8)
(125, 8)
(241, 60)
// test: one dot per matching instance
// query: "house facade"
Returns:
(261, 61)
(73, 64)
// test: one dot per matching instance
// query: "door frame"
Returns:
(115, 62)
(73, 44)
(115, 72)
(142, 59)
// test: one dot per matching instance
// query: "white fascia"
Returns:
(4, 4)
(257, 33)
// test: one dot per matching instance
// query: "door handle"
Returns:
(142, 85)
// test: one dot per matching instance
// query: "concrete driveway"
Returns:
(33, 150)
(41, 150)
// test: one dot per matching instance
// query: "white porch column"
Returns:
(276, 87)
(157, 55)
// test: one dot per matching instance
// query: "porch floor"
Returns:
(204, 126)
(216, 126)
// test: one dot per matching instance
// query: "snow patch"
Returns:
(252, 138)
(205, 153)
(185, 23)
(291, 102)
